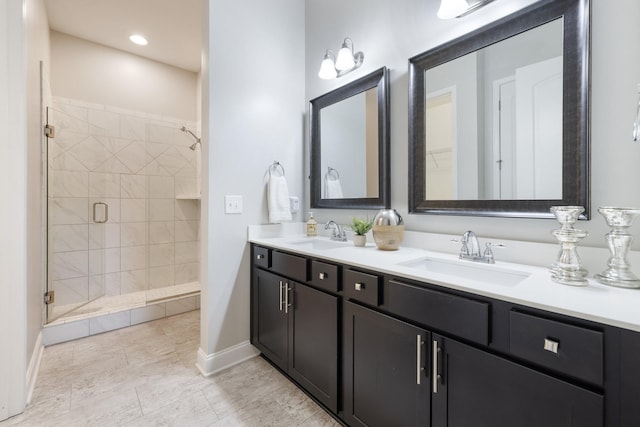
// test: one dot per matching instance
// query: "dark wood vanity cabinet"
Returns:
(472, 387)
(385, 381)
(294, 325)
(385, 351)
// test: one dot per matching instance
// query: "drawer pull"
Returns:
(358, 286)
(322, 276)
(259, 256)
(281, 300)
(551, 345)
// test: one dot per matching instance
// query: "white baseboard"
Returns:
(209, 364)
(34, 367)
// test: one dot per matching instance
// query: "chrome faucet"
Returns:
(470, 249)
(338, 232)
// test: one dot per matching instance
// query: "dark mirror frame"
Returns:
(378, 79)
(575, 111)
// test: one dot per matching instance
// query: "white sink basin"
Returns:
(485, 273)
(318, 244)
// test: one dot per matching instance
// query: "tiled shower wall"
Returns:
(138, 164)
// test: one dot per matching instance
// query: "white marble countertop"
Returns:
(595, 302)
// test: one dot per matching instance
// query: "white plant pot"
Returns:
(359, 240)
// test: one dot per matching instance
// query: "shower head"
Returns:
(192, 146)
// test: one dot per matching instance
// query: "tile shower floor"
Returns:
(145, 375)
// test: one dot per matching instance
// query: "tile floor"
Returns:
(145, 375)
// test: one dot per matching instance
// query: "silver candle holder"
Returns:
(567, 269)
(618, 272)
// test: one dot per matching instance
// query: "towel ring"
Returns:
(274, 167)
(331, 172)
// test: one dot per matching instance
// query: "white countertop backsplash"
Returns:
(596, 302)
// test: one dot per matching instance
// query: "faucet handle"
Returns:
(464, 249)
(488, 252)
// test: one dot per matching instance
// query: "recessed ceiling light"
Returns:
(138, 39)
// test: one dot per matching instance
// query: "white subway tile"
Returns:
(185, 273)
(180, 306)
(66, 238)
(160, 277)
(133, 186)
(133, 258)
(186, 252)
(161, 255)
(103, 236)
(69, 211)
(133, 156)
(133, 234)
(91, 152)
(148, 313)
(161, 187)
(69, 184)
(133, 210)
(104, 185)
(67, 265)
(187, 231)
(106, 121)
(161, 209)
(161, 232)
(187, 209)
(109, 322)
(56, 334)
(161, 134)
(71, 291)
(133, 281)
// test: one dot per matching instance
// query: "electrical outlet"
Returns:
(232, 204)
(294, 204)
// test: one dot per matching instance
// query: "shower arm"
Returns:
(198, 141)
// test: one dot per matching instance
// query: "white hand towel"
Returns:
(332, 189)
(278, 200)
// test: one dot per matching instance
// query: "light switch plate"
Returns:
(232, 204)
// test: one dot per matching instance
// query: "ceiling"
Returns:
(172, 27)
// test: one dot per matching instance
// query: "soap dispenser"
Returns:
(312, 226)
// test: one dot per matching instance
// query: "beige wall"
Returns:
(95, 73)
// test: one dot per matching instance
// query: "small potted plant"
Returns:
(361, 227)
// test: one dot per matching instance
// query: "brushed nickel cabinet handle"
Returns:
(281, 286)
(286, 298)
(259, 256)
(418, 358)
(435, 375)
(358, 286)
(322, 276)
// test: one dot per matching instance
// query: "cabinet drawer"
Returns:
(288, 265)
(261, 256)
(361, 287)
(324, 276)
(464, 317)
(568, 349)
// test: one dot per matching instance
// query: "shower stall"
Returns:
(123, 214)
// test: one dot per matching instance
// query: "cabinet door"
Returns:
(313, 343)
(385, 383)
(270, 318)
(479, 389)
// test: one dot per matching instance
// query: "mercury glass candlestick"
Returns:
(568, 270)
(618, 272)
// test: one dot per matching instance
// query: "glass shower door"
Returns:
(79, 227)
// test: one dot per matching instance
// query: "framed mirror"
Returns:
(349, 129)
(499, 118)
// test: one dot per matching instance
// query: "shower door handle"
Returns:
(95, 212)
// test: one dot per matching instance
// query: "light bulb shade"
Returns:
(327, 69)
(345, 60)
(452, 8)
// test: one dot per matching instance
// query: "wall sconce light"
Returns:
(458, 8)
(344, 63)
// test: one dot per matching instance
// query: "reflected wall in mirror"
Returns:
(350, 144)
(500, 117)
